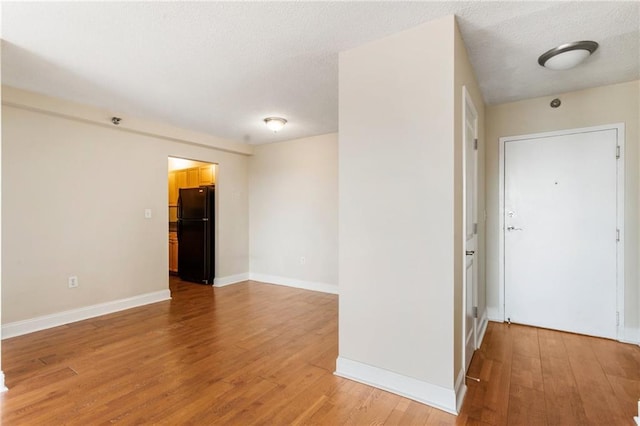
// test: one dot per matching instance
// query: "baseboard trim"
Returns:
(3, 388)
(631, 335)
(290, 282)
(426, 393)
(231, 279)
(461, 390)
(484, 323)
(19, 328)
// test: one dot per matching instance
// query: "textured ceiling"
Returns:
(221, 67)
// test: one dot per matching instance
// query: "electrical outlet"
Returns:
(303, 260)
(73, 282)
(147, 213)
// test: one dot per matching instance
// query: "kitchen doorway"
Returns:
(198, 237)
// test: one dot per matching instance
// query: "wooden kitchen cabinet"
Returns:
(181, 179)
(173, 189)
(206, 175)
(193, 178)
(173, 252)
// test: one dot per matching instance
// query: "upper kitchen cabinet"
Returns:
(190, 178)
(207, 176)
(173, 189)
(193, 177)
(181, 179)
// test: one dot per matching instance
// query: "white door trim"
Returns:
(620, 131)
(468, 102)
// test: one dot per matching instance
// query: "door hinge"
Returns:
(475, 312)
(617, 318)
(475, 228)
(617, 151)
(475, 143)
(617, 235)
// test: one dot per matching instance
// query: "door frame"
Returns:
(216, 195)
(620, 136)
(468, 102)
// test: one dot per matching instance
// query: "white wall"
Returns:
(396, 228)
(591, 107)
(74, 190)
(293, 211)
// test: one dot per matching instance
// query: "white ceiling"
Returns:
(221, 67)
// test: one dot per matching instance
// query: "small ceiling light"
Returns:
(567, 55)
(275, 123)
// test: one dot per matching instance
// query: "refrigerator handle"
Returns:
(179, 206)
(179, 229)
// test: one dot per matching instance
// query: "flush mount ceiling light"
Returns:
(275, 123)
(567, 55)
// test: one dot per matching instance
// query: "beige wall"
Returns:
(293, 210)
(396, 174)
(73, 195)
(465, 77)
(597, 106)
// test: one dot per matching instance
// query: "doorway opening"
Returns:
(192, 231)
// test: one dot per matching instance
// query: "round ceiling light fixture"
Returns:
(275, 123)
(568, 55)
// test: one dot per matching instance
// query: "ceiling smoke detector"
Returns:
(275, 123)
(568, 55)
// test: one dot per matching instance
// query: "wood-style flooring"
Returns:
(254, 353)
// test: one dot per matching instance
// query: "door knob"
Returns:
(469, 252)
(513, 228)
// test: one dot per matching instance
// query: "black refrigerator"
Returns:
(196, 234)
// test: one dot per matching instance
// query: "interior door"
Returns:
(471, 220)
(560, 224)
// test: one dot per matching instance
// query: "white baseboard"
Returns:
(290, 282)
(417, 390)
(231, 279)
(461, 390)
(19, 328)
(3, 388)
(482, 329)
(631, 335)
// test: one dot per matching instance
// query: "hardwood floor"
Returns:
(253, 353)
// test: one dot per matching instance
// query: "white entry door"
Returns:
(471, 234)
(560, 232)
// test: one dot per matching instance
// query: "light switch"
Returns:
(147, 213)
